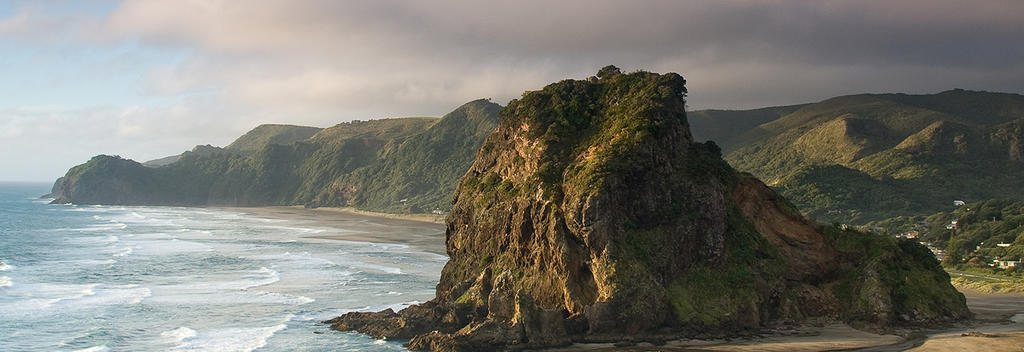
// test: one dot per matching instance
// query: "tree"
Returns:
(608, 71)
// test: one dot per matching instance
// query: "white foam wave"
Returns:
(186, 230)
(264, 277)
(137, 215)
(155, 245)
(101, 348)
(112, 295)
(179, 334)
(5, 281)
(102, 227)
(230, 340)
(123, 252)
(284, 298)
(85, 262)
(300, 230)
(374, 267)
(302, 258)
(270, 220)
(86, 291)
(5, 267)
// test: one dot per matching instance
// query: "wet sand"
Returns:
(998, 326)
(344, 225)
(994, 319)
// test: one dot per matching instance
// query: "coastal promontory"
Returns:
(591, 215)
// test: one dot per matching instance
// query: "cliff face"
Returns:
(591, 215)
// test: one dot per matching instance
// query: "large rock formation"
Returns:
(591, 215)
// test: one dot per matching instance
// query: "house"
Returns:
(952, 224)
(958, 203)
(1005, 264)
(912, 234)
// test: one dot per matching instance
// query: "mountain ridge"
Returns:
(300, 172)
(929, 149)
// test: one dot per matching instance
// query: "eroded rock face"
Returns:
(591, 215)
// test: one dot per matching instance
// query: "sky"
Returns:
(147, 79)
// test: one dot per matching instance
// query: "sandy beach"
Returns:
(346, 224)
(998, 324)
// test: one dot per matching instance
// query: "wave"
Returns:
(300, 230)
(42, 200)
(5, 267)
(84, 262)
(91, 228)
(101, 348)
(123, 252)
(266, 277)
(373, 267)
(112, 295)
(187, 230)
(230, 340)
(180, 334)
(46, 299)
(5, 281)
(301, 259)
(87, 291)
(284, 298)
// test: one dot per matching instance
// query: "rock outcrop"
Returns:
(591, 215)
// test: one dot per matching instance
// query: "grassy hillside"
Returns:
(980, 227)
(721, 125)
(264, 135)
(419, 175)
(248, 143)
(873, 156)
(326, 168)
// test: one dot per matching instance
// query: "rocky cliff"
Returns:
(590, 214)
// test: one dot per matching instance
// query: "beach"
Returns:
(991, 330)
(425, 231)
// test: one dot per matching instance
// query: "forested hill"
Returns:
(248, 143)
(336, 166)
(866, 157)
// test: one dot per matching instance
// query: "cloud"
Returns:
(320, 62)
(404, 56)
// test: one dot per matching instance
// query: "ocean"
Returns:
(119, 278)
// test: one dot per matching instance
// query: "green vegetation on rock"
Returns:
(590, 214)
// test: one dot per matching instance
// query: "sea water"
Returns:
(118, 278)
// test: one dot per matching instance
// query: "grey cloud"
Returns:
(320, 62)
(440, 45)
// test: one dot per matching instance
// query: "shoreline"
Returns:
(998, 324)
(346, 224)
(422, 217)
